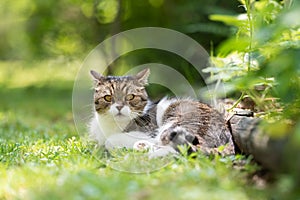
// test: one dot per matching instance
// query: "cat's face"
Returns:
(120, 96)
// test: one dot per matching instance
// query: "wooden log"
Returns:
(251, 139)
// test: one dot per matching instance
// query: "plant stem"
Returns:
(249, 16)
(288, 4)
(237, 102)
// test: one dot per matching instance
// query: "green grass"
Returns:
(42, 157)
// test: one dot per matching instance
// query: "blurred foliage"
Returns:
(70, 29)
(35, 29)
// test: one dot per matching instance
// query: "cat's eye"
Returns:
(129, 97)
(107, 98)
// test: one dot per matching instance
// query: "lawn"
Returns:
(43, 157)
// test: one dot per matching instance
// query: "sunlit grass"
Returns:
(56, 168)
(18, 74)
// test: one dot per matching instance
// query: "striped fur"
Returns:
(186, 121)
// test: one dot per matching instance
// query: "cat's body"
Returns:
(124, 116)
(187, 121)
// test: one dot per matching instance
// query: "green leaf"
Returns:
(233, 45)
(231, 20)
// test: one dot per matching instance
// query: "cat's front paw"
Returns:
(162, 151)
(144, 146)
(152, 150)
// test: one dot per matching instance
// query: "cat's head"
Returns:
(120, 96)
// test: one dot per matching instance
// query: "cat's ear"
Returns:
(96, 75)
(142, 76)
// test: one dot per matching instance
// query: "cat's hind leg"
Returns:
(177, 136)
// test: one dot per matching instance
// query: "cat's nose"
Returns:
(119, 108)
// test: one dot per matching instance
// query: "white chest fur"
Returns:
(103, 126)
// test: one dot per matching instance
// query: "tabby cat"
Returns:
(118, 100)
(125, 117)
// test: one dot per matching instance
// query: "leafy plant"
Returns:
(256, 60)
